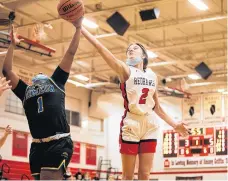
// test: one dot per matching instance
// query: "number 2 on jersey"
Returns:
(40, 104)
(144, 95)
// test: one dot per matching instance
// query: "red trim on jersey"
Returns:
(124, 146)
(148, 146)
(124, 94)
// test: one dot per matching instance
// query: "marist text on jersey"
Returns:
(36, 90)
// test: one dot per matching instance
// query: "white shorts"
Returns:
(138, 134)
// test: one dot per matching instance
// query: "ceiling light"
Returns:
(89, 23)
(155, 64)
(81, 77)
(199, 4)
(202, 84)
(209, 19)
(194, 76)
(168, 79)
(83, 63)
(78, 84)
(105, 35)
(221, 90)
(3, 53)
(48, 26)
(151, 54)
(97, 84)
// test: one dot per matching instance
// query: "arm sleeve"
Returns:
(60, 77)
(19, 91)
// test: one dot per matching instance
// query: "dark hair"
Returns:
(146, 59)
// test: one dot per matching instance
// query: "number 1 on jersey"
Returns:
(144, 95)
(40, 104)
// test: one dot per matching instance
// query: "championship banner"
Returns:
(196, 162)
(25, 75)
(76, 154)
(212, 106)
(20, 144)
(192, 110)
(91, 154)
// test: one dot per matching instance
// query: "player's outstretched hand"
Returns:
(181, 128)
(4, 85)
(13, 36)
(8, 130)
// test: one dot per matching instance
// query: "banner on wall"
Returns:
(226, 107)
(91, 154)
(196, 162)
(192, 110)
(25, 74)
(20, 144)
(76, 154)
(212, 104)
(189, 178)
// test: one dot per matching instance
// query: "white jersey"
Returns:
(138, 91)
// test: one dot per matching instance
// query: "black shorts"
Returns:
(50, 155)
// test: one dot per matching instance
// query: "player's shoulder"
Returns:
(150, 72)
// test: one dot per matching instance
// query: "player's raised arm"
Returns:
(68, 58)
(118, 66)
(179, 127)
(8, 61)
(62, 72)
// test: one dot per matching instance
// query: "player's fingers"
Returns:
(8, 129)
(5, 83)
(185, 134)
(184, 123)
(3, 80)
(185, 128)
(7, 87)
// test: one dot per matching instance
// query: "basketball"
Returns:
(70, 10)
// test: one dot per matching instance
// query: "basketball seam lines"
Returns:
(71, 10)
(63, 4)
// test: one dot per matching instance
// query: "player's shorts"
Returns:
(138, 134)
(51, 155)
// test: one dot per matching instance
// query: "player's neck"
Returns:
(139, 66)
